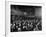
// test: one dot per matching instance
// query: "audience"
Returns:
(23, 23)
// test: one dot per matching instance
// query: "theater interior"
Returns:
(26, 18)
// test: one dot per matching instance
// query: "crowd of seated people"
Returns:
(23, 23)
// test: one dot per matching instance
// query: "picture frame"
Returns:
(21, 34)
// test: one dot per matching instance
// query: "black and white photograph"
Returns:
(25, 18)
